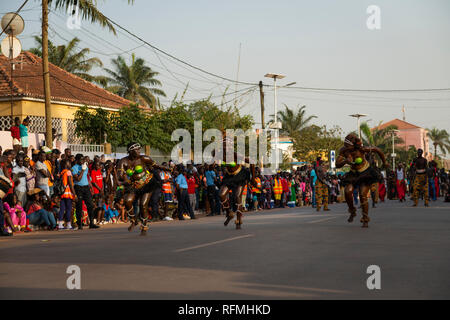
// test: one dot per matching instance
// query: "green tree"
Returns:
(293, 121)
(88, 11)
(381, 138)
(66, 57)
(406, 156)
(314, 141)
(441, 140)
(93, 125)
(135, 82)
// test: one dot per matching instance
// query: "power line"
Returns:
(319, 89)
(248, 83)
(367, 90)
(175, 58)
(91, 35)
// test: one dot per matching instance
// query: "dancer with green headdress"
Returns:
(135, 173)
(236, 176)
(361, 174)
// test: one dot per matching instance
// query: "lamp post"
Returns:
(12, 24)
(357, 115)
(393, 155)
(276, 125)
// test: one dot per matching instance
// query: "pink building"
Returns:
(411, 134)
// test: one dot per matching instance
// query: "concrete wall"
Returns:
(35, 140)
(415, 137)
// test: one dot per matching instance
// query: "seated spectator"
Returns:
(111, 214)
(54, 207)
(120, 207)
(16, 212)
(36, 213)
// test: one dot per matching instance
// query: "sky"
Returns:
(317, 44)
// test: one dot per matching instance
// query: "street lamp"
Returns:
(357, 115)
(276, 125)
(12, 24)
(393, 155)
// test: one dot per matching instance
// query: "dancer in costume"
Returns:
(135, 172)
(361, 174)
(419, 170)
(321, 187)
(236, 176)
(374, 188)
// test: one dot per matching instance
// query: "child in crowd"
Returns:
(55, 206)
(111, 214)
(84, 214)
(99, 212)
(16, 212)
(120, 207)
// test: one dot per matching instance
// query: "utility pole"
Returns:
(46, 75)
(393, 155)
(261, 97)
(237, 75)
(358, 128)
(11, 39)
(276, 126)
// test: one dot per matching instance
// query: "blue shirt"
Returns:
(181, 181)
(76, 169)
(210, 176)
(314, 176)
(23, 130)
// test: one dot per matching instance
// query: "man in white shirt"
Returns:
(42, 174)
(20, 182)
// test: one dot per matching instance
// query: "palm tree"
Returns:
(65, 57)
(132, 81)
(293, 122)
(88, 11)
(377, 137)
(440, 139)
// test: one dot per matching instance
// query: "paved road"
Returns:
(280, 254)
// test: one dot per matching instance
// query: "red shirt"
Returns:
(191, 185)
(34, 207)
(15, 132)
(285, 185)
(96, 176)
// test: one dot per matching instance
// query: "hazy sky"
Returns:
(323, 44)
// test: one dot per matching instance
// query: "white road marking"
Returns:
(213, 243)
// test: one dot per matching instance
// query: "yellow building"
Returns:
(68, 92)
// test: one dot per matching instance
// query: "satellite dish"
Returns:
(9, 42)
(15, 27)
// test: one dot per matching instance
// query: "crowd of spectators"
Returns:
(56, 190)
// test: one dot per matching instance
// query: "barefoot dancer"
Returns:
(361, 174)
(135, 173)
(420, 183)
(235, 178)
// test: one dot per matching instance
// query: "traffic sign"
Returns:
(333, 159)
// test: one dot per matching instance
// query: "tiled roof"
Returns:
(64, 86)
(399, 123)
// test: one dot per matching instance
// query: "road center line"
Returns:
(213, 243)
(315, 221)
